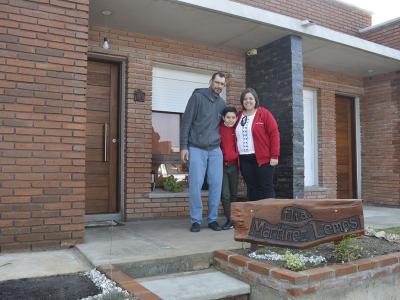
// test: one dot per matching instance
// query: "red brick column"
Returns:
(43, 58)
(138, 138)
(380, 120)
(327, 141)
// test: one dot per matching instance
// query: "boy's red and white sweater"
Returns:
(228, 143)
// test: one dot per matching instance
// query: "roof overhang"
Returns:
(229, 24)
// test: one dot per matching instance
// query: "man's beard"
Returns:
(217, 91)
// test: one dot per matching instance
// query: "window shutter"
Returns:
(172, 87)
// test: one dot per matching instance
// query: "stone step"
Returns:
(196, 285)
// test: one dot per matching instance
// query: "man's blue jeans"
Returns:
(201, 160)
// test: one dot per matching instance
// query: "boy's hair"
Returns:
(229, 109)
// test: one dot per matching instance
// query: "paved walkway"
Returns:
(39, 264)
(381, 217)
(142, 240)
(152, 239)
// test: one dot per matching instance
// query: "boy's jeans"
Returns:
(201, 160)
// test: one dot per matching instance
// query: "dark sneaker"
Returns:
(214, 226)
(195, 227)
(227, 225)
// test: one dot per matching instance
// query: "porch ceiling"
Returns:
(232, 25)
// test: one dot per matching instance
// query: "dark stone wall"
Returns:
(276, 73)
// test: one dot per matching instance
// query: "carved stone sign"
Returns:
(297, 223)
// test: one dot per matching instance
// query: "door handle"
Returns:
(105, 141)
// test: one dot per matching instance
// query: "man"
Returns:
(200, 146)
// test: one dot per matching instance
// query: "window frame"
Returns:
(314, 181)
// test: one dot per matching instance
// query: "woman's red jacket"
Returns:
(266, 136)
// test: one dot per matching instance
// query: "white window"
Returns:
(310, 138)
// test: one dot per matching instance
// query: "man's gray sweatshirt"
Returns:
(200, 125)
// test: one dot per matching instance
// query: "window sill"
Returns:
(315, 188)
(160, 193)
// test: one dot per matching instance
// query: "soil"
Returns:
(63, 287)
(367, 247)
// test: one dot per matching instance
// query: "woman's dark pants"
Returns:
(259, 179)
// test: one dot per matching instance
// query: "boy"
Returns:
(231, 156)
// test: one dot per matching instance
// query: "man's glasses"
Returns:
(243, 121)
(219, 83)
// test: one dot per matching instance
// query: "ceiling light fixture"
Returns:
(370, 73)
(307, 22)
(106, 12)
(251, 52)
(106, 42)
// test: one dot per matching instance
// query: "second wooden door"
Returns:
(345, 148)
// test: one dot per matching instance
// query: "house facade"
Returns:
(88, 129)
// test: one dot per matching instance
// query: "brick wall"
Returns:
(329, 13)
(328, 84)
(380, 120)
(43, 47)
(142, 52)
(388, 35)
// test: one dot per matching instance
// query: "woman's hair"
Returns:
(251, 91)
(229, 109)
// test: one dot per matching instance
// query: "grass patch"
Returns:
(395, 230)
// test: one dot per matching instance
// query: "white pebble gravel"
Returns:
(106, 285)
(275, 256)
(391, 237)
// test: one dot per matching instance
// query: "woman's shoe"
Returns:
(227, 225)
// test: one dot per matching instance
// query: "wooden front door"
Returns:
(102, 138)
(345, 148)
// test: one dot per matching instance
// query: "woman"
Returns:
(258, 144)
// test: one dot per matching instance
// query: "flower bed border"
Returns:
(299, 284)
(127, 282)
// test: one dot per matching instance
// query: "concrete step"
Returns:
(196, 285)
(168, 265)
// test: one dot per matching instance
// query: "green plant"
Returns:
(346, 250)
(294, 262)
(172, 185)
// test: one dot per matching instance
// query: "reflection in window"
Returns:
(165, 133)
(166, 150)
(178, 170)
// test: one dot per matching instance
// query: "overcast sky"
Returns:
(383, 10)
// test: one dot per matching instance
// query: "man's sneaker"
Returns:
(214, 226)
(227, 225)
(195, 227)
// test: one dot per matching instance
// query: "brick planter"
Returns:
(372, 278)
